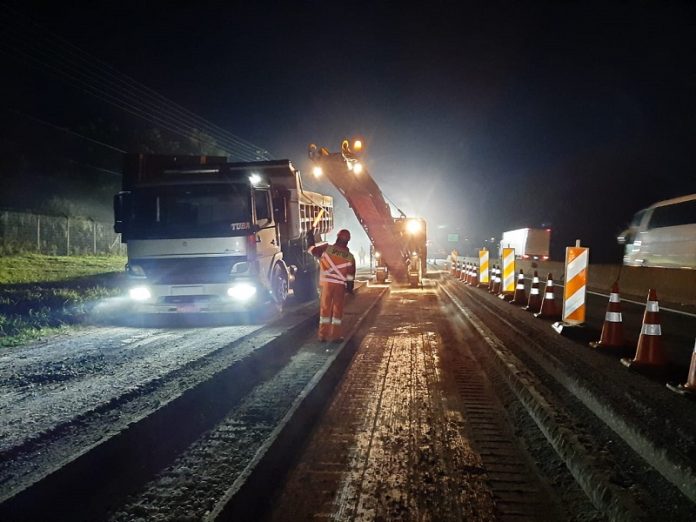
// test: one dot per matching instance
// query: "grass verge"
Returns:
(40, 295)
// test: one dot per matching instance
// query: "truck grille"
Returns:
(179, 271)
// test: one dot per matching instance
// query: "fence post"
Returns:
(5, 221)
(38, 233)
(94, 237)
(67, 236)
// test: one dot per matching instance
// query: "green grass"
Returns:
(40, 295)
(36, 268)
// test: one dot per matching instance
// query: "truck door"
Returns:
(267, 245)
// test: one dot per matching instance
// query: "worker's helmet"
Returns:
(343, 236)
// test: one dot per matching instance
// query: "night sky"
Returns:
(480, 117)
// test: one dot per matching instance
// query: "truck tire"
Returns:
(279, 285)
(305, 286)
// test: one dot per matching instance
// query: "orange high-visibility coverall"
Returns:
(337, 266)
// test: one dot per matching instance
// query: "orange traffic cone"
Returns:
(690, 386)
(549, 309)
(649, 353)
(474, 275)
(462, 272)
(612, 331)
(491, 287)
(534, 301)
(520, 296)
(467, 279)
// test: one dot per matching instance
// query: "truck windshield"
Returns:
(180, 211)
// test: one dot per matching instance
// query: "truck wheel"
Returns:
(279, 286)
(305, 287)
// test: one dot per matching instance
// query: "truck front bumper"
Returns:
(237, 296)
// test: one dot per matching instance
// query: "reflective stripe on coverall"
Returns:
(337, 266)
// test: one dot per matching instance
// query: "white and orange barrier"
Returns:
(507, 290)
(574, 293)
(575, 289)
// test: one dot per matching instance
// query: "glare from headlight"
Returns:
(139, 293)
(242, 291)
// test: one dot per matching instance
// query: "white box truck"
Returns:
(529, 243)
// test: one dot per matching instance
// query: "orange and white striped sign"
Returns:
(484, 277)
(508, 271)
(576, 263)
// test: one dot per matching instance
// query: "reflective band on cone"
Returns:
(650, 355)
(651, 329)
(613, 317)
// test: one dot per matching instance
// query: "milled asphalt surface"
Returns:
(632, 442)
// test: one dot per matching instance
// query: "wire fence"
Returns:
(22, 232)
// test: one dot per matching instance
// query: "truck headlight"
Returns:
(242, 291)
(139, 293)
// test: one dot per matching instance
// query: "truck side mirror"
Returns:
(122, 212)
(280, 209)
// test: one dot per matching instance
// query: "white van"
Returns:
(662, 235)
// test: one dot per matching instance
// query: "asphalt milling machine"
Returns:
(399, 242)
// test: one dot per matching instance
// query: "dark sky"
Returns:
(481, 117)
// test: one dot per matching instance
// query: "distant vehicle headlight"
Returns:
(242, 291)
(139, 293)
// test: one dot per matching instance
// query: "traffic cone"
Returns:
(496, 281)
(612, 331)
(491, 286)
(549, 309)
(649, 356)
(462, 272)
(469, 273)
(520, 296)
(474, 275)
(690, 386)
(534, 301)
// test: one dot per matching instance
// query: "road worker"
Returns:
(337, 276)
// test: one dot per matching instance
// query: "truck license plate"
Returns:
(188, 308)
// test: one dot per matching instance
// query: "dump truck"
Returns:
(207, 235)
(529, 243)
(399, 243)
